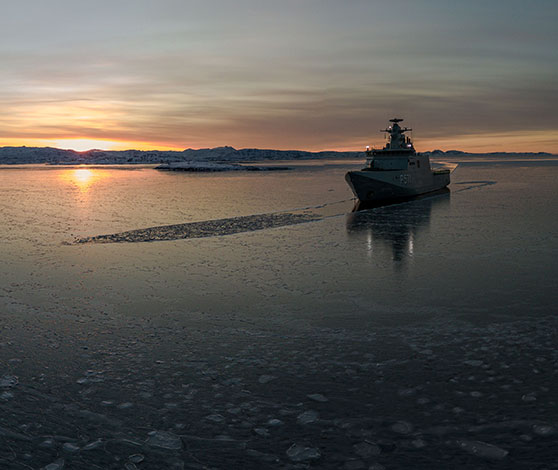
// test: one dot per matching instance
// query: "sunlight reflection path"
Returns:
(83, 178)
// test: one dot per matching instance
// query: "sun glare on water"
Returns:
(83, 178)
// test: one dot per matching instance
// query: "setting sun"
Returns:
(82, 145)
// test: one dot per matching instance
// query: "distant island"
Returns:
(54, 156)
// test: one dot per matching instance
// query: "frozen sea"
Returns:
(270, 326)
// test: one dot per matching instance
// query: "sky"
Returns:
(285, 74)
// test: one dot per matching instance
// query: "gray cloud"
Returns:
(313, 74)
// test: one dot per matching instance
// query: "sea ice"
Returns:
(70, 448)
(544, 430)
(307, 417)
(298, 453)
(207, 228)
(136, 458)
(402, 427)
(275, 422)
(266, 378)
(317, 397)
(473, 363)
(354, 465)
(8, 381)
(56, 465)
(261, 456)
(482, 449)
(48, 444)
(13, 435)
(418, 443)
(215, 418)
(366, 449)
(125, 406)
(93, 445)
(263, 432)
(165, 440)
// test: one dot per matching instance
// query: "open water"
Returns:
(251, 320)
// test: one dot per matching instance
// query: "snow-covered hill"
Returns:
(25, 155)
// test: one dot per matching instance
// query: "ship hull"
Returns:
(377, 186)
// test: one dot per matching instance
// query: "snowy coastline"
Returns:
(53, 156)
(193, 157)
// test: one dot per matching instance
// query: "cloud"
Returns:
(291, 75)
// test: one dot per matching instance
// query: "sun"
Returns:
(82, 145)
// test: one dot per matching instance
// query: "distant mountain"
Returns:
(457, 153)
(54, 156)
(25, 155)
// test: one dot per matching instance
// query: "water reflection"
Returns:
(395, 225)
(82, 178)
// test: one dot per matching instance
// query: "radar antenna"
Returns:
(396, 136)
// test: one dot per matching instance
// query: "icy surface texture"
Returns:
(420, 335)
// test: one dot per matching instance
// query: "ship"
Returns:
(397, 171)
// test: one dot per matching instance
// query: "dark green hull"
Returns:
(375, 186)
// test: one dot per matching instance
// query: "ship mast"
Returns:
(397, 138)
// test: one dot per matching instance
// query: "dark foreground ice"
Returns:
(239, 397)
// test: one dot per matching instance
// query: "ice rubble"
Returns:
(208, 228)
(396, 408)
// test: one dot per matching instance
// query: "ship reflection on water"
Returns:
(395, 225)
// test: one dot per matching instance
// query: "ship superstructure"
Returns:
(396, 171)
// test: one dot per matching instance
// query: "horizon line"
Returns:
(263, 149)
